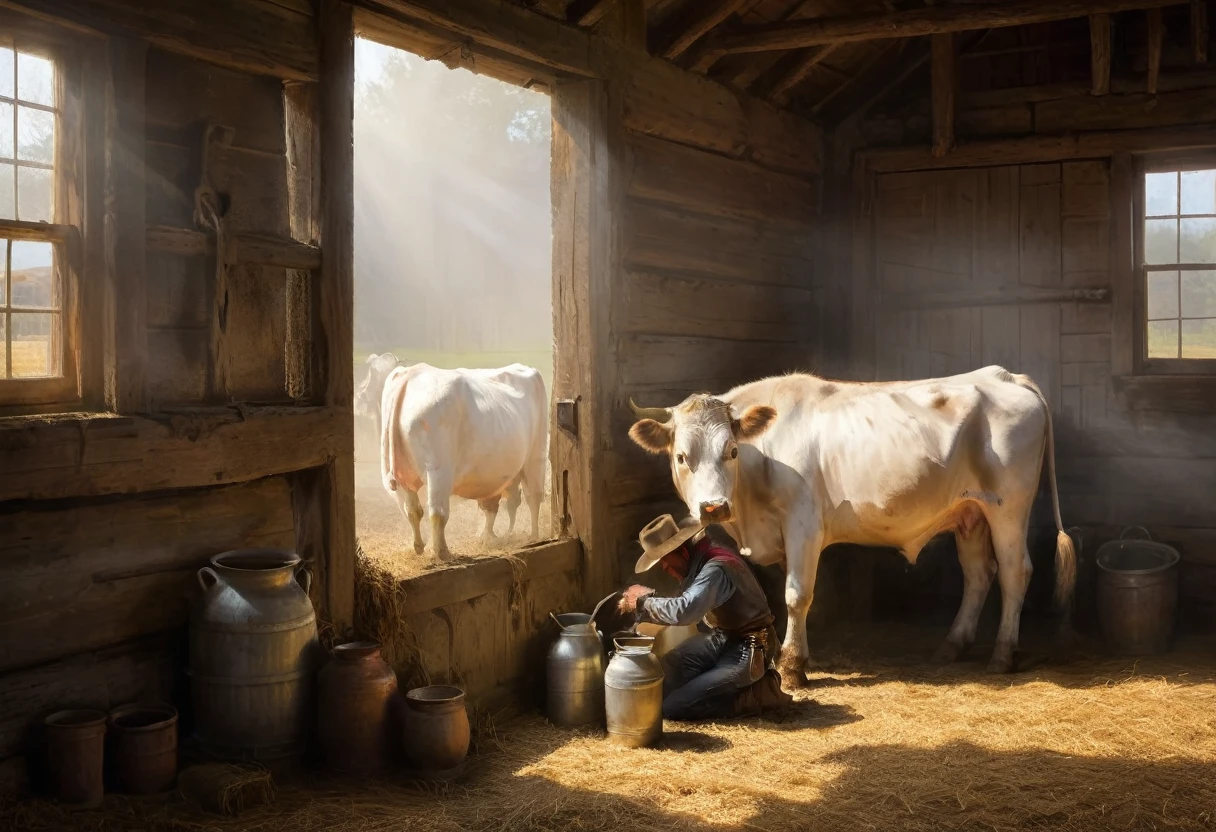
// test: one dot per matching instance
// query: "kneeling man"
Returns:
(728, 671)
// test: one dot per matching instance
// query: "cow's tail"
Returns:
(1066, 553)
(393, 396)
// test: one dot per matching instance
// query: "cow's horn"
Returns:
(659, 414)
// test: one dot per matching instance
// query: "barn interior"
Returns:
(869, 191)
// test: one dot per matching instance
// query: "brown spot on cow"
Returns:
(940, 400)
(826, 390)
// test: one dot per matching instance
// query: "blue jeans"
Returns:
(702, 677)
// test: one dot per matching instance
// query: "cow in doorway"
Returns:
(792, 464)
(371, 388)
(476, 434)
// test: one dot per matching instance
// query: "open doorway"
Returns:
(453, 258)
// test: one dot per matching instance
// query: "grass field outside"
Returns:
(29, 359)
(541, 359)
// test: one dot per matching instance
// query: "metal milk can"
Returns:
(633, 693)
(253, 656)
(575, 672)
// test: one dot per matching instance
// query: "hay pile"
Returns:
(879, 741)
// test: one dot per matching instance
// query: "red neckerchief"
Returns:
(709, 550)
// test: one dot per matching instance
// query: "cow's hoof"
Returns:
(444, 555)
(419, 547)
(948, 653)
(793, 673)
(1000, 664)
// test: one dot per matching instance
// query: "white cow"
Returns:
(792, 464)
(371, 389)
(476, 434)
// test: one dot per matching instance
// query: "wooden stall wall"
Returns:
(108, 511)
(1015, 249)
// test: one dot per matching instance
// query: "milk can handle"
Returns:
(307, 576)
(555, 621)
(207, 571)
(1126, 529)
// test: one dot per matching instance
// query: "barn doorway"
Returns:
(453, 260)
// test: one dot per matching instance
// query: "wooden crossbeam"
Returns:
(596, 12)
(944, 83)
(797, 34)
(710, 15)
(784, 86)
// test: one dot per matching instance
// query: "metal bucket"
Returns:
(633, 693)
(1137, 595)
(253, 655)
(575, 672)
(145, 747)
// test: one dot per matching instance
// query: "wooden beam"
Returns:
(1000, 297)
(784, 86)
(58, 457)
(1199, 31)
(594, 13)
(126, 228)
(796, 34)
(944, 80)
(709, 14)
(303, 188)
(25, 230)
(1156, 40)
(1033, 149)
(858, 79)
(633, 23)
(263, 38)
(244, 249)
(1099, 53)
(334, 332)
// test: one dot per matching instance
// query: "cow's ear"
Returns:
(754, 421)
(651, 435)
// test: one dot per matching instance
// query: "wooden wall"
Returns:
(1015, 249)
(108, 511)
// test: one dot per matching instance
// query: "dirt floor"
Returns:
(386, 538)
(878, 740)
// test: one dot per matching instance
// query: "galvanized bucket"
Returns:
(1137, 594)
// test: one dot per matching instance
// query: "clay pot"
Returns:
(356, 691)
(75, 755)
(436, 727)
(144, 743)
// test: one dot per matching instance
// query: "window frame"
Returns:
(62, 392)
(1160, 163)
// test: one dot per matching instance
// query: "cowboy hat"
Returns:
(662, 536)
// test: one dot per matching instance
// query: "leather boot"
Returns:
(763, 695)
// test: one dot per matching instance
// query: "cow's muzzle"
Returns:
(715, 511)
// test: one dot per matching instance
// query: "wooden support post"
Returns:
(300, 108)
(1199, 31)
(1156, 39)
(1099, 53)
(334, 333)
(944, 81)
(125, 229)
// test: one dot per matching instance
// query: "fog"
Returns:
(453, 234)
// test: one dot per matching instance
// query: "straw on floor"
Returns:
(880, 742)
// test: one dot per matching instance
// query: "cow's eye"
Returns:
(734, 452)
(680, 458)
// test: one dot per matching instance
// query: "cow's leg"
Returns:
(979, 565)
(1013, 572)
(802, 547)
(411, 507)
(490, 509)
(513, 501)
(438, 501)
(534, 491)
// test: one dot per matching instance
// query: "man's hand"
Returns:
(629, 598)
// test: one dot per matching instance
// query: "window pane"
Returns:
(1160, 241)
(1199, 338)
(1198, 240)
(3, 282)
(1162, 295)
(1162, 339)
(33, 274)
(1160, 194)
(7, 206)
(3, 347)
(1199, 192)
(35, 135)
(6, 73)
(1199, 294)
(31, 343)
(6, 131)
(35, 79)
(33, 195)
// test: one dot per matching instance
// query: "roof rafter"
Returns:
(688, 31)
(796, 34)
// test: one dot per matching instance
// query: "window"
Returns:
(1177, 253)
(37, 362)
